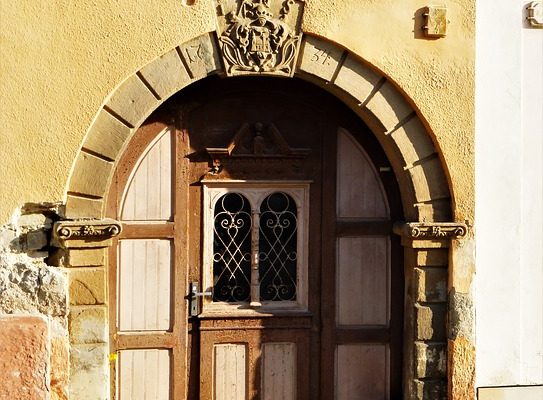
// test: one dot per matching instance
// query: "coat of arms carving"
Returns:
(259, 36)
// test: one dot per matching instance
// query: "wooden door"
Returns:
(276, 204)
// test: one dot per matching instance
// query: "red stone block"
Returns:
(24, 357)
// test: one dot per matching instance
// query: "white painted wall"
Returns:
(509, 196)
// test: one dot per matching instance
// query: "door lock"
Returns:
(193, 298)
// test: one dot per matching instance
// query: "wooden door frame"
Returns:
(178, 231)
(176, 339)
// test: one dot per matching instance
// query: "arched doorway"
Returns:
(275, 199)
(409, 146)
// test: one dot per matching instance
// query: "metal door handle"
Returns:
(193, 298)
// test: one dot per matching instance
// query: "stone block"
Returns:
(87, 325)
(433, 258)
(431, 284)
(437, 210)
(60, 367)
(89, 372)
(36, 240)
(166, 74)
(388, 106)
(319, 58)
(26, 285)
(8, 239)
(413, 141)
(80, 207)
(431, 389)
(431, 360)
(132, 101)
(429, 181)
(88, 257)
(87, 286)
(90, 176)
(461, 369)
(357, 79)
(430, 322)
(34, 220)
(24, 361)
(107, 135)
(201, 56)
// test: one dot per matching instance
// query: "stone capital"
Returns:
(85, 233)
(429, 234)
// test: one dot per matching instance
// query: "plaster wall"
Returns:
(61, 59)
(509, 219)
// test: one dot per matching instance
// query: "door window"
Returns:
(255, 255)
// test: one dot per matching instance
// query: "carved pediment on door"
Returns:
(255, 147)
(259, 37)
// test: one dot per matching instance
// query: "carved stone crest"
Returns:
(259, 36)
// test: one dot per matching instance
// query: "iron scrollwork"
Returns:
(278, 248)
(232, 249)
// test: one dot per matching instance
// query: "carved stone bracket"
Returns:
(438, 233)
(85, 233)
(259, 36)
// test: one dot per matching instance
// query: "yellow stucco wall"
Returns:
(61, 59)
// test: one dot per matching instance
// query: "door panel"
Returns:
(362, 281)
(229, 371)
(144, 285)
(319, 313)
(359, 191)
(149, 194)
(278, 371)
(144, 374)
(362, 372)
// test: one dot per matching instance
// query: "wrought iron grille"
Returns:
(232, 249)
(277, 244)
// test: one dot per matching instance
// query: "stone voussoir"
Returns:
(166, 74)
(132, 101)
(319, 58)
(90, 176)
(107, 135)
(357, 79)
(388, 106)
(429, 181)
(81, 207)
(413, 141)
(201, 56)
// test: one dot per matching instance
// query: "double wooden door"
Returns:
(256, 259)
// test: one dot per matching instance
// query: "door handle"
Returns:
(193, 298)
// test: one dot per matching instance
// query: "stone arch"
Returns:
(395, 122)
(433, 356)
